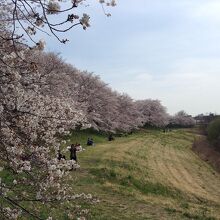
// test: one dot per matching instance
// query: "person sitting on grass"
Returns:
(110, 137)
(90, 142)
(60, 156)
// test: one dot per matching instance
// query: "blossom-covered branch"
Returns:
(51, 17)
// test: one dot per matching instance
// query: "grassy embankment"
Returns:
(147, 175)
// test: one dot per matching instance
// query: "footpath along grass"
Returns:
(147, 175)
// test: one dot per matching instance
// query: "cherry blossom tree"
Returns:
(152, 113)
(31, 124)
(48, 17)
(85, 89)
(105, 109)
(182, 119)
(128, 117)
(99, 101)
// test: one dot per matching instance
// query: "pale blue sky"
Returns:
(160, 49)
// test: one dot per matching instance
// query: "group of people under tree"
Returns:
(72, 149)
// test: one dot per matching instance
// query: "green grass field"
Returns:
(147, 175)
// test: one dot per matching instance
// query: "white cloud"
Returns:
(193, 85)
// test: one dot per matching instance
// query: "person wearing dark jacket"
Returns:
(73, 152)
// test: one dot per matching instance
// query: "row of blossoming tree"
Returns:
(104, 109)
(42, 98)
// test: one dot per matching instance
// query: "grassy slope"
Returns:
(148, 175)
